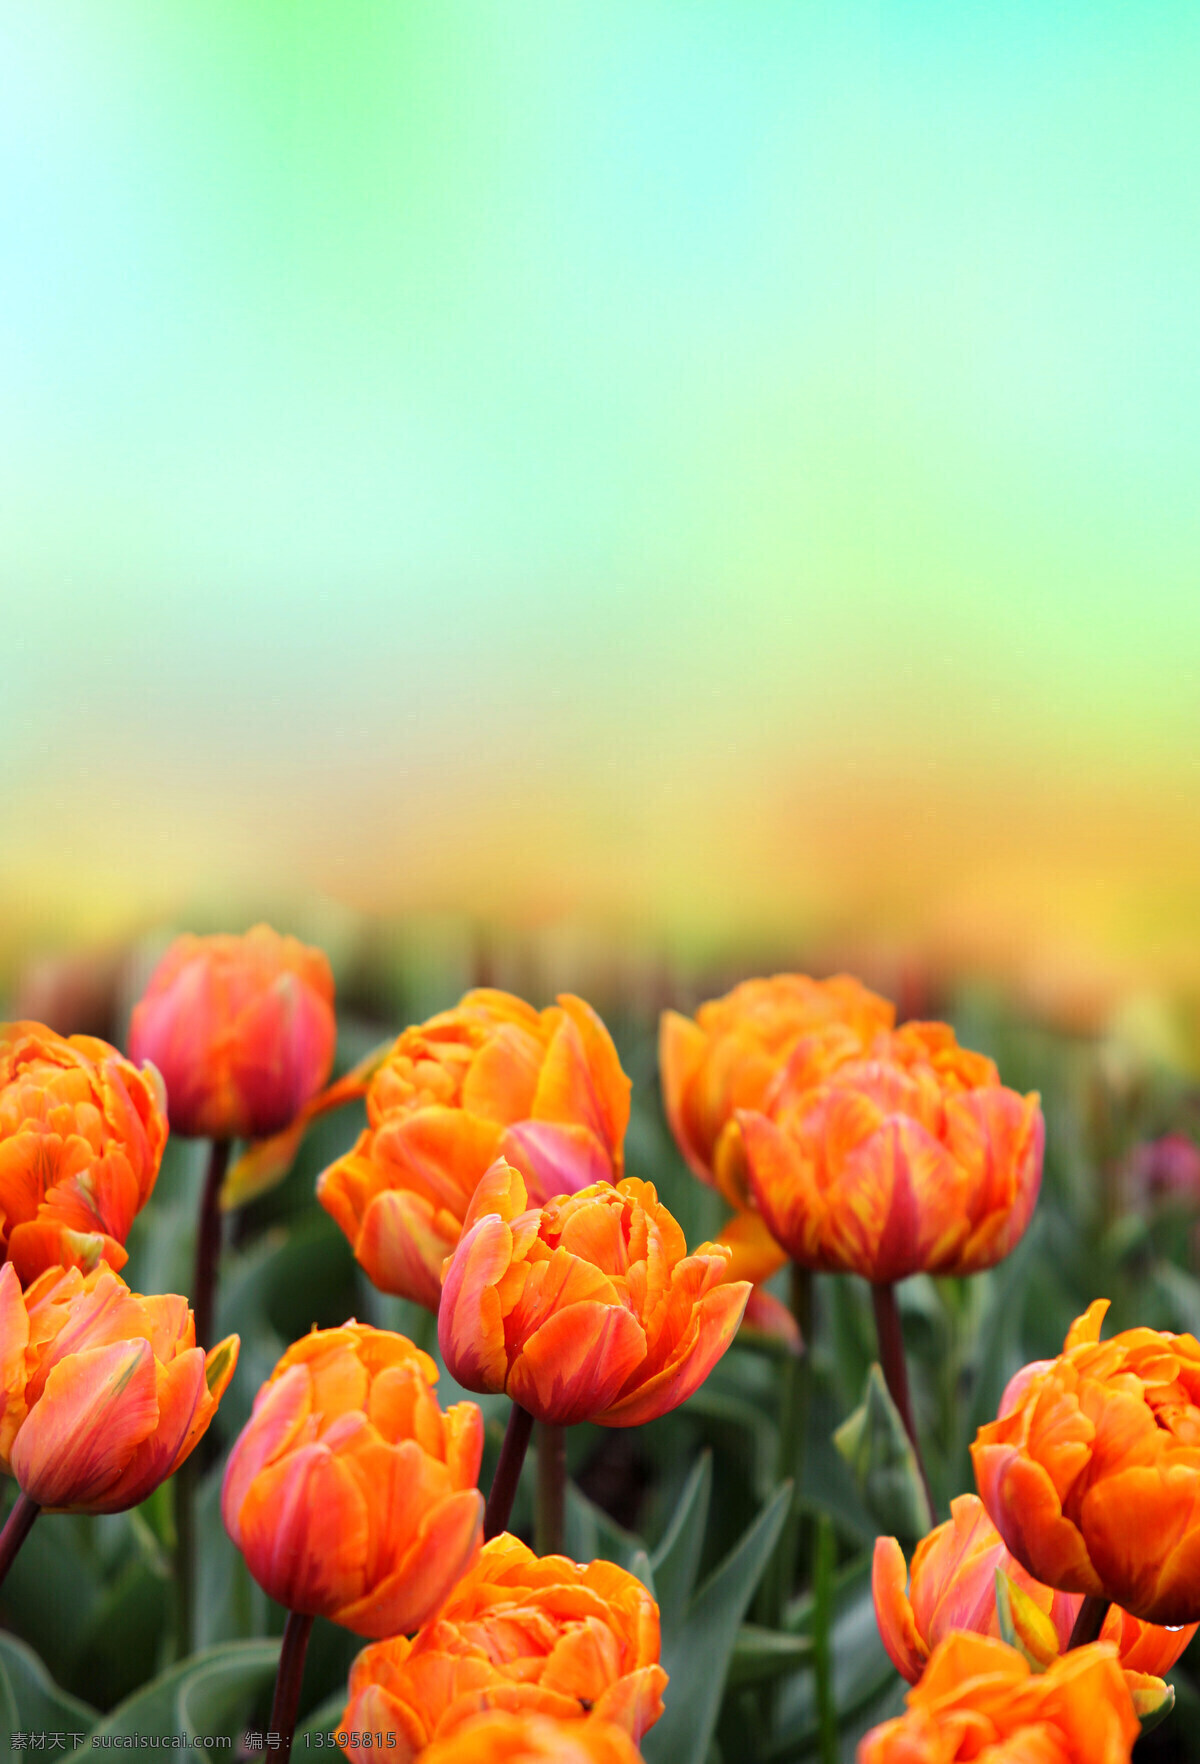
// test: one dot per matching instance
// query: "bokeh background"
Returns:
(682, 477)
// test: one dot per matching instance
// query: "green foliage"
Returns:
(880, 1457)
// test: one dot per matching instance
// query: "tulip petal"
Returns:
(571, 1368)
(717, 1317)
(470, 1324)
(556, 1158)
(95, 1410)
(181, 1390)
(280, 1411)
(403, 1242)
(14, 1339)
(682, 1045)
(304, 1531)
(448, 1538)
(894, 1612)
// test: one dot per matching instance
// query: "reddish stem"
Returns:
(208, 1243)
(290, 1677)
(890, 1335)
(1089, 1622)
(508, 1472)
(16, 1529)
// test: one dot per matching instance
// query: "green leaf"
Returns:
(878, 1451)
(676, 1561)
(40, 1704)
(697, 1657)
(9, 1720)
(590, 1533)
(326, 1718)
(760, 1655)
(204, 1695)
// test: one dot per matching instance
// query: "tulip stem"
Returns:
(16, 1529)
(890, 1334)
(1090, 1621)
(794, 1384)
(508, 1472)
(289, 1678)
(824, 1561)
(208, 1243)
(550, 1515)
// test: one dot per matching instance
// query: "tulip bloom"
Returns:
(104, 1392)
(587, 1309)
(952, 1585)
(912, 1159)
(979, 1699)
(729, 1056)
(242, 1030)
(1091, 1473)
(349, 1492)
(500, 1738)
(81, 1138)
(490, 1078)
(540, 1636)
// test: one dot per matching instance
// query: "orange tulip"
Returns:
(490, 1078)
(589, 1309)
(242, 1030)
(912, 1159)
(500, 1738)
(81, 1138)
(952, 1585)
(979, 1699)
(755, 1256)
(729, 1056)
(1092, 1471)
(104, 1392)
(534, 1636)
(349, 1492)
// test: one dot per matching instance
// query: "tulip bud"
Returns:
(349, 1492)
(490, 1078)
(242, 1030)
(104, 1392)
(587, 1309)
(82, 1133)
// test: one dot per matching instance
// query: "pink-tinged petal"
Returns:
(403, 1242)
(556, 1159)
(95, 1410)
(373, 1711)
(446, 1544)
(501, 1190)
(566, 1091)
(470, 1322)
(1018, 1384)
(280, 1410)
(573, 1366)
(717, 1317)
(784, 1187)
(898, 1204)
(681, 1049)
(894, 1612)
(181, 1388)
(304, 1531)
(1024, 1507)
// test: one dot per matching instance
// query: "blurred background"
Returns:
(538, 487)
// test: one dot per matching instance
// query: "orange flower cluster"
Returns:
(952, 1585)
(242, 1030)
(104, 1392)
(81, 1138)
(490, 1078)
(1091, 1473)
(587, 1309)
(525, 1635)
(979, 1699)
(349, 1492)
(911, 1157)
(501, 1738)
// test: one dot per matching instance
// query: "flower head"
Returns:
(979, 1699)
(242, 1030)
(349, 1492)
(81, 1138)
(103, 1393)
(730, 1054)
(501, 1738)
(911, 1158)
(952, 1585)
(1091, 1473)
(546, 1636)
(490, 1078)
(587, 1309)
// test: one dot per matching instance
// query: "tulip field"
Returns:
(712, 1372)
